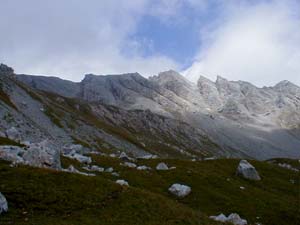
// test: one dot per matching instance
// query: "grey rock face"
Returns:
(13, 134)
(229, 118)
(3, 204)
(180, 190)
(6, 70)
(52, 84)
(246, 170)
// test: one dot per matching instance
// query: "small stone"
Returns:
(122, 182)
(129, 164)
(3, 204)
(162, 166)
(180, 190)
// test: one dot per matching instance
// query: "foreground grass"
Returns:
(39, 196)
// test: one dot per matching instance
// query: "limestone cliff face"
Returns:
(236, 116)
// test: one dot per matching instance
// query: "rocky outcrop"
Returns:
(3, 204)
(41, 154)
(180, 190)
(247, 171)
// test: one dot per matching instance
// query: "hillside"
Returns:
(43, 196)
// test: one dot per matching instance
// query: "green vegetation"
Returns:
(39, 196)
(7, 141)
(42, 196)
(53, 117)
(5, 98)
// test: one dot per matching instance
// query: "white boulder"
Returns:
(247, 171)
(3, 204)
(129, 164)
(219, 218)
(122, 182)
(233, 218)
(236, 219)
(143, 168)
(109, 170)
(180, 190)
(162, 166)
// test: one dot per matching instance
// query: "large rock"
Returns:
(180, 190)
(3, 204)
(162, 166)
(247, 171)
(42, 154)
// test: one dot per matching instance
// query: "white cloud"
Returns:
(74, 37)
(257, 43)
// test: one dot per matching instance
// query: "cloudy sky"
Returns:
(252, 40)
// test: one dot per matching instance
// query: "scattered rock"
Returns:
(94, 168)
(180, 190)
(122, 182)
(219, 218)
(115, 174)
(72, 169)
(3, 204)
(12, 154)
(287, 166)
(72, 149)
(143, 168)
(236, 219)
(13, 134)
(129, 164)
(123, 156)
(233, 218)
(80, 158)
(162, 166)
(246, 170)
(109, 170)
(42, 154)
(112, 155)
(148, 157)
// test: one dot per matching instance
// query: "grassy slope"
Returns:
(59, 198)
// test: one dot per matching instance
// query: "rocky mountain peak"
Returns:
(6, 70)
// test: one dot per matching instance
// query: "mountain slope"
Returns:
(243, 120)
(39, 115)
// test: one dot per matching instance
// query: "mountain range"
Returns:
(164, 115)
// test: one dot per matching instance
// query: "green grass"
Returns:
(39, 196)
(7, 141)
(50, 197)
(5, 98)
